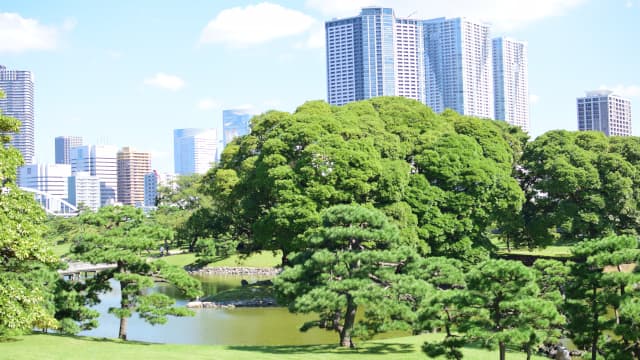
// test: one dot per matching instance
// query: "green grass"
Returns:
(265, 259)
(61, 250)
(54, 347)
(552, 251)
(562, 250)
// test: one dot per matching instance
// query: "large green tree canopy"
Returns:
(443, 179)
(580, 185)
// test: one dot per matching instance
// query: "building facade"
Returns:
(99, 161)
(18, 103)
(235, 122)
(49, 178)
(151, 181)
(84, 189)
(194, 150)
(63, 146)
(443, 63)
(458, 66)
(604, 111)
(511, 81)
(132, 167)
(374, 54)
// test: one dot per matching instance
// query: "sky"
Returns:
(127, 73)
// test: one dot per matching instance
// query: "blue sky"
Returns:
(129, 72)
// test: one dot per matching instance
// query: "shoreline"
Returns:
(235, 270)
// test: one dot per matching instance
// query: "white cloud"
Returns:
(165, 81)
(534, 99)
(315, 38)
(628, 4)
(18, 34)
(255, 24)
(628, 91)
(503, 14)
(208, 104)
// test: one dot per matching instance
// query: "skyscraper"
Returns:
(511, 81)
(132, 167)
(602, 110)
(235, 122)
(444, 63)
(151, 181)
(49, 178)
(374, 54)
(84, 189)
(64, 144)
(458, 62)
(100, 161)
(194, 150)
(18, 103)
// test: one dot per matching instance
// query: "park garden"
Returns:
(456, 237)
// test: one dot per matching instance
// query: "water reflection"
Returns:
(242, 326)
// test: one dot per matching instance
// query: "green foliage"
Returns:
(348, 264)
(24, 254)
(599, 284)
(121, 235)
(443, 179)
(578, 185)
(502, 307)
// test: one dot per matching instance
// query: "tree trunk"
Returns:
(122, 334)
(503, 350)
(528, 351)
(349, 321)
(124, 304)
(594, 326)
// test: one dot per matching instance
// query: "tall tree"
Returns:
(443, 179)
(599, 284)
(349, 264)
(23, 251)
(118, 235)
(502, 306)
(578, 185)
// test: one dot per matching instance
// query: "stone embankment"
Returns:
(231, 304)
(229, 270)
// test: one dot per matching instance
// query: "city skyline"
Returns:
(272, 57)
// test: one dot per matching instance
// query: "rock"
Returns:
(244, 282)
(562, 354)
(195, 304)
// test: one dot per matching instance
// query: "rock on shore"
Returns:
(231, 304)
(232, 270)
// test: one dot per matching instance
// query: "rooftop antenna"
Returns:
(413, 13)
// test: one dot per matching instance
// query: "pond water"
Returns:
(240, 326)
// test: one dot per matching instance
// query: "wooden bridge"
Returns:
(76, 269)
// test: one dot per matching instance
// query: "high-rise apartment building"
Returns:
(132, 167)
(151, 181)
(84, 189)
(49, 178)
(194, 150)
(374, 54)
(458, 62)
(602, 110)
(99, 161)
(64, 144)
(444, 63)
(511, 81)
(235, 122)
(17, 86)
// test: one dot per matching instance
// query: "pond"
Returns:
(240, 326)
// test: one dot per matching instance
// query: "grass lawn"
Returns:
(60, 250)
(264, 259)
(54, 347)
